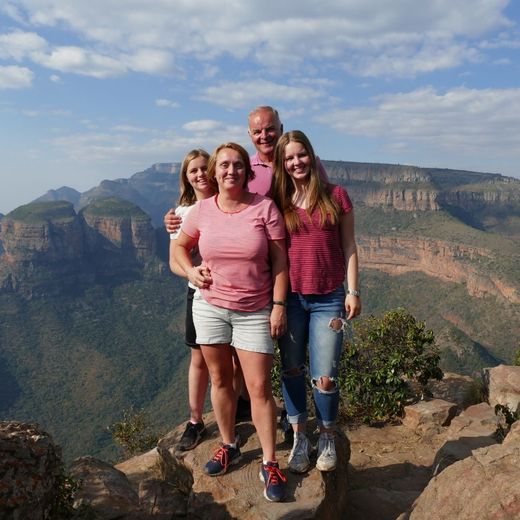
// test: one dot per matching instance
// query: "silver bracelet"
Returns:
(353, 292)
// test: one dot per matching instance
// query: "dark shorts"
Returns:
(190, 337)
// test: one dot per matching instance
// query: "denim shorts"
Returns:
(249, 331)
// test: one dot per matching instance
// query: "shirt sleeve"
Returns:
(179, 212)
(274, 223)
(341, 196)
(190, 224)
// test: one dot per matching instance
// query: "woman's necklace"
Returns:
(231, 206)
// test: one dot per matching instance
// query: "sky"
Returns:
(101, 89)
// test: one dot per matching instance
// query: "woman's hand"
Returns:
(172, 222)
(278, 321)
(352, 306)
(200, 276)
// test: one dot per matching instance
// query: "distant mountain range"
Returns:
(91, 317)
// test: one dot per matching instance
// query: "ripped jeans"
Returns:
(312, 319)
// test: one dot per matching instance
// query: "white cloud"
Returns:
(397, 38)
(167, 103)
(18, 45)
(15, 77)
(242, 94)
(466, 120)
(55, 78)
(80, 61)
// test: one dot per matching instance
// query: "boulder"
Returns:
(239, 493)
(429, 415)
(104, 488)
(474, 428)
(485, 485)
(455, 388)
(30, 469)
(503, 383)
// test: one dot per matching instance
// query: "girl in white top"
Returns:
(194, 186)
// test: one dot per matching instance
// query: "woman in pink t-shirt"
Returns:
(322, 255)
(243, 287)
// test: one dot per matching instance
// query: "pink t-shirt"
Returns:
(316, 260)
(261, 184)
(235, 248)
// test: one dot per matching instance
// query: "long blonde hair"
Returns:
(318, 190)
(188, 196)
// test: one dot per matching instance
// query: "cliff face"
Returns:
(443, 260)
(48, 247)
(409, 188)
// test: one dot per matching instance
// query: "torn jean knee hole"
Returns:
(333, 390)
(337, 324)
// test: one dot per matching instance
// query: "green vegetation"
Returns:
(114, 207)
(471, 332)
(134, 433)
(43, 211)
(77, 361)
(381, 359)
(517, 358)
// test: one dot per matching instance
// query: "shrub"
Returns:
(381, 359)
(517, 358)
(133, 433)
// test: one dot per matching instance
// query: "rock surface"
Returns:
(427, 415)
(474, 428)
(239, 493)
(486, 485)
(503, 383)
(30, 466)
(104, 488)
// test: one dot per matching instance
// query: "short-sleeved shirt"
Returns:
(316, 259)
(182, 211)
(235, 247)
(261, 184)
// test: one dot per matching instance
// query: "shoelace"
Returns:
(274, 475)
(328, 444)
(222, 456)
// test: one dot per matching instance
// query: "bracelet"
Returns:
(353, 292)
(280, 302)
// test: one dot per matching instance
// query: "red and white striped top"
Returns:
(316, 260)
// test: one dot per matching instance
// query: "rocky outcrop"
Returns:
(485, 485)
(446, 261)
(503, 385)
(49, 248)
(30, 469)
(429, 415)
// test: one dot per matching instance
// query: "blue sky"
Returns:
(99, 89)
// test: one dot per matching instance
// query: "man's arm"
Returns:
(172, 222)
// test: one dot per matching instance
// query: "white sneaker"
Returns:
(299, 457)
(326, 452)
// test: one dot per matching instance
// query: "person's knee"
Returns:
(293, 372)
(260, 389)
(325, 384)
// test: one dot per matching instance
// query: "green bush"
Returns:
(133, 433)
(517, 358)
(383, 360)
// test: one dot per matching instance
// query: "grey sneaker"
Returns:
(299, 457)
(326, 452)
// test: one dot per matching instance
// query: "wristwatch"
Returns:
(353, 292)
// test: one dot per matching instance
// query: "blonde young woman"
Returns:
(194, 186)
(243, 286)
(322, 256)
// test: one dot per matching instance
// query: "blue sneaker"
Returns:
(274, 481)
(224, 457)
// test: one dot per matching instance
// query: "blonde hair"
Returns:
(212, 163)
(188, 196)
(318, 191)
